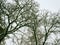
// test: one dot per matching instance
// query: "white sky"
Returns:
(51, 5)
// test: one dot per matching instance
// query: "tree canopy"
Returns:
(23, 23)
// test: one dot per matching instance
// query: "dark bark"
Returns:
(46, 35)
(35, 37)
(4, 33)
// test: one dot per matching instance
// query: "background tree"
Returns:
(47, 24)
(50, 25)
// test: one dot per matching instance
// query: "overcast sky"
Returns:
(52, 5)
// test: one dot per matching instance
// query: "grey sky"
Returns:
(52, 5)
